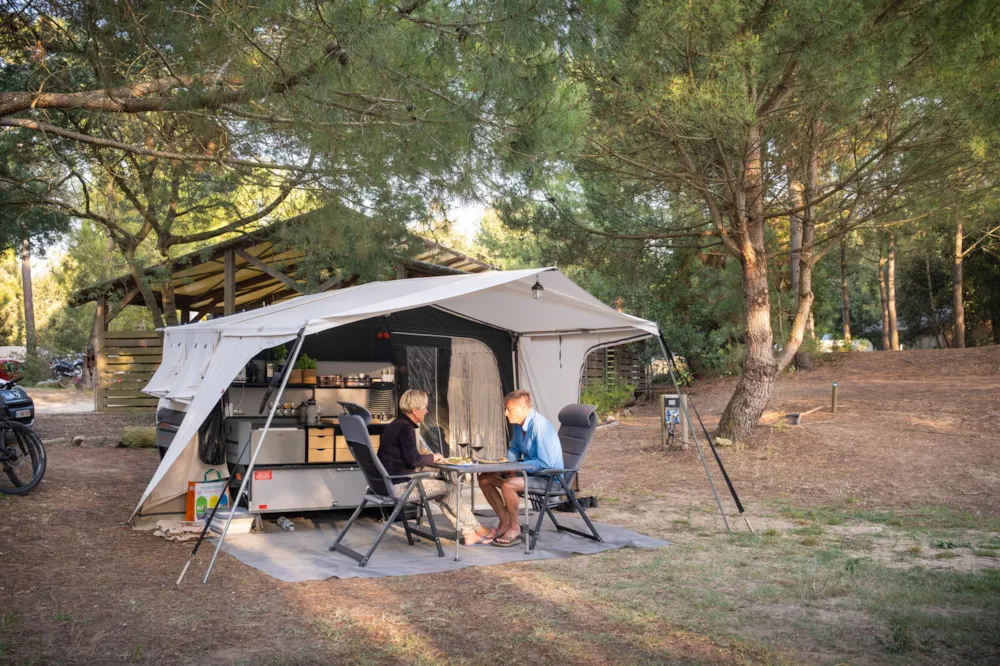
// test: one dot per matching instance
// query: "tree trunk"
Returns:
(845, 301)
(795, 233)
(941, 340)
(30, 338)
(169, 304)
(883, 294)
(759, 367)
(891, 291)
(143, 283)
(956, 286)
(806, 223)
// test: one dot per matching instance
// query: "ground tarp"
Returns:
(304, 555)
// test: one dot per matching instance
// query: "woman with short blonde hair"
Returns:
(413, 400)
(399, 455)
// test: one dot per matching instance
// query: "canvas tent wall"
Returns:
(551, 338)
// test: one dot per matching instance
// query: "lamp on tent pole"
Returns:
(694, 435)
(286, 372)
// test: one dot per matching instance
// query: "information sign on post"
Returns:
(671, 416)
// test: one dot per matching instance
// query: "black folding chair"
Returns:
(382, 493)
(550, 488)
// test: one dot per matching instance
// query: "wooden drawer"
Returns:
(320, 455)
(322, 438)
(344, 454)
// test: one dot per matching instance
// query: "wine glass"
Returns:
(464, 442)
(477, 444)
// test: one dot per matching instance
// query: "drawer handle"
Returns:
(347, 469)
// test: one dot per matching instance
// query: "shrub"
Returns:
(607, 398)
(34, 369)
(139, 437)
(305, 362)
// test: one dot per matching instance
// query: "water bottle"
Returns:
(286, 524)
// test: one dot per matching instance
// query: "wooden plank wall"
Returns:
(125, 363)
(618, 365)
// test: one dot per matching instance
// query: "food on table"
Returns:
(458, 461)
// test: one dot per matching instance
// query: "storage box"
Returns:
(242, 521)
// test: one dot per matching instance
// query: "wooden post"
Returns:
(185, 314)
(685, 435)
(400, 271)
(833, 399)
(99, 358)
(229, 285)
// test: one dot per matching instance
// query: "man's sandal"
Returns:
(504, 542)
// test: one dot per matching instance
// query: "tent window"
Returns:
(475, 396)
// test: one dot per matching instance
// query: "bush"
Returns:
(34, 369)
(305, 362)
(682, 371)
(139, 437)
(608, 399)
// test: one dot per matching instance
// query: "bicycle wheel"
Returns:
(22, 458)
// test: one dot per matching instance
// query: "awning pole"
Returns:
(289, 364)
(694, 433)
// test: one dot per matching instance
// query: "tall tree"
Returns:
(710, 112)
(382, 108)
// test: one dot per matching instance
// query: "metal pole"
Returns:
(253, 459)
(697, 444)
(833, 399)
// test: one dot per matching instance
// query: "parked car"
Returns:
(11, 370)
(17, 403)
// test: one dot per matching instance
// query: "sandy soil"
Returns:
(914, 429)
(61, 401)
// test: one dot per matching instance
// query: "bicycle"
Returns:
(22, 458)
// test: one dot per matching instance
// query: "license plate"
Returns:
(22, 413)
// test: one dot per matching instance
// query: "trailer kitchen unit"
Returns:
(465, 339)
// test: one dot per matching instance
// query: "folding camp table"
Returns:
(486, 468)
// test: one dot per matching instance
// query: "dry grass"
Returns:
(876, 543)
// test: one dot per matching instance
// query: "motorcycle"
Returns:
(68, 370)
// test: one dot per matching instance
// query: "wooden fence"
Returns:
(126, 360)
(618, 365)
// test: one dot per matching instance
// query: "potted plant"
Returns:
(307, 366)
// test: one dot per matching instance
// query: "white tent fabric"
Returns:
(557, 331)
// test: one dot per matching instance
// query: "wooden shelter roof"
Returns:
(261, 274)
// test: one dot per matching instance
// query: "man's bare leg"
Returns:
(509, 489)
(489, 483)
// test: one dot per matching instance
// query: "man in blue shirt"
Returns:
(535, 442)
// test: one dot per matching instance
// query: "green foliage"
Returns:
(280, 353)
(34, 369)
(305, 362)
(608, 398)
(139, 437)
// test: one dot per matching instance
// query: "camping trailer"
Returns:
(465, 339)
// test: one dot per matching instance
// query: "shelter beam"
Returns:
(229, 284)
(270, 270)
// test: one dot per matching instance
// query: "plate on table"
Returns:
(457, 461)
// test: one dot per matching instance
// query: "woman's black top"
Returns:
(397, 449)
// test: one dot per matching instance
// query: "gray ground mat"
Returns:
(304, 554)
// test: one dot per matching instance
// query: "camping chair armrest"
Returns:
(552, 471)
(413, 475)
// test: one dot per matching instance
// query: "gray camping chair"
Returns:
(381, 492)
(549, 488)
(355, 409)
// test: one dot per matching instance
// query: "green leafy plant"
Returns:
(607, 398)
(280, 353)
(305, 362)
